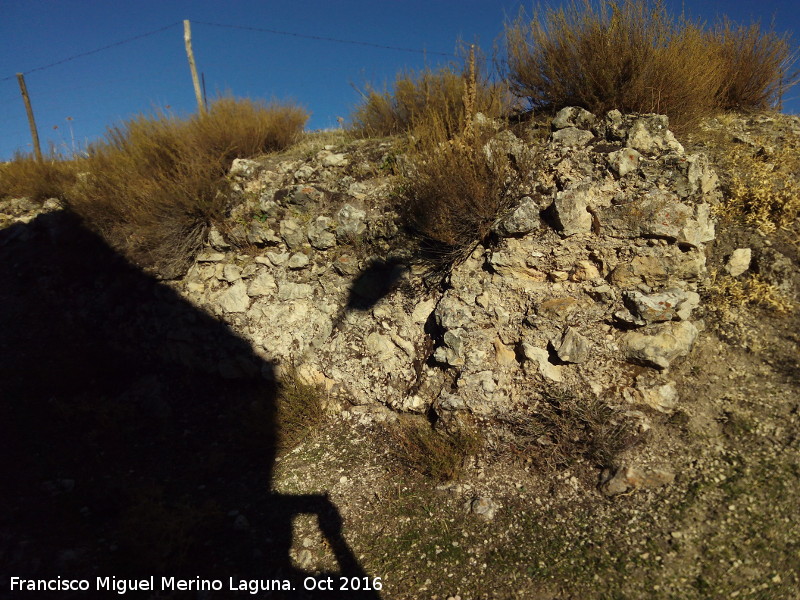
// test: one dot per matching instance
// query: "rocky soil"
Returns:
(639, 435)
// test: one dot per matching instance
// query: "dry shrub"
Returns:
(758, 66)
(761, 181)
(300, 409)
(635, 57)
(456, 189)
(441, 456)
(726, 293)
(24, 176)
(156, 183)
(563, 428)
(419, 97)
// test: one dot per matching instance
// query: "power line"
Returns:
(82, 54)
(326, 39)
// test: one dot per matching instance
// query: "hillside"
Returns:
(600, 398)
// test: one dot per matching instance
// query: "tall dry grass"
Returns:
(417, 97)
(156, 183)
(636, 57)
(25, 176)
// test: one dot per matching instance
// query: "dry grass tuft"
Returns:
(441, 456)
(154, 186)
(635, 57)
(564, 428)
(24, 176)
(418, 97)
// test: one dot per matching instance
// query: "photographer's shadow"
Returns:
(138, 432)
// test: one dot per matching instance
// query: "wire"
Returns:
(325, 39)
(82, 54)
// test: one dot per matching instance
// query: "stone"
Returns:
(210, 256)
(484, 507)
(669, 305)
(523, 219)
(739, 261)
(350, 222)
(661, 345)
(627, 479)
(572, 347)
(244, 168)
(320, 233)
(231, 273)
(572, 137)
(541, 358)
(294, 291)
(452, 352)
(573, 116)
(650, 134)
(624, 161)
(235, 298)
(292, 233)
(330, 159)
(571, 212)
(262, 284)
(216, 239)
(298, 260)
(663, 398)
(584, 270)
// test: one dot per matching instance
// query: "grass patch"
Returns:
(562, 429)
(156, 183)
(416, 446)
(24, 176)
(636, 57)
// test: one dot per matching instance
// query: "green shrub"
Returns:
(156, 183)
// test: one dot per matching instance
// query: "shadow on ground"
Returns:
(138, 433)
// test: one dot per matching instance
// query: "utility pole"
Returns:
(31, 122)
(187, 38)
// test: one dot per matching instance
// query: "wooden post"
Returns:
(187, 38)
(31, 122)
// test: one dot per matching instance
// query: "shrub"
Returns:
(564, 427)
(154, 185)
(418, 97)
(28, 177)
(441, 456)
(758, 66)
(634, 57)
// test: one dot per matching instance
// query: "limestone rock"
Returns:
(235, 298)
(523, 219)
(571, 211)
(739, 261)
(661, 345)
(572, 347)
(571, 136)
(574, 116)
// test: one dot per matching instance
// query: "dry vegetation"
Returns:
(418, 97)
(156, 183)
(635, 57)
(417, 446)
(38, 181)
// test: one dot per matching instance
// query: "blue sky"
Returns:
(75, 101)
